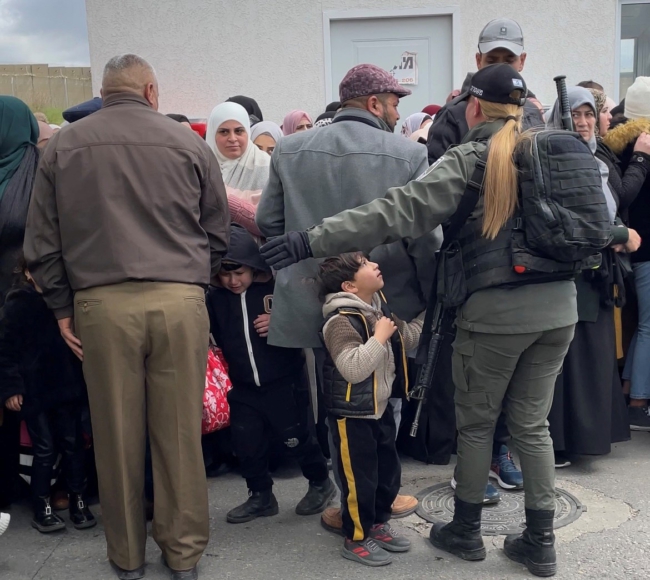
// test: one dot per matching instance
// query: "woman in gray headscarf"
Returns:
(589, 412)
(415, 122)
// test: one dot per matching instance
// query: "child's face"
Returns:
(237, 281)
(368, 278)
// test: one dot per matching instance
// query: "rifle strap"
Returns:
(467, 203)
(454, 225)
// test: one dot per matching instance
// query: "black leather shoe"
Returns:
(80, 515)
(127, 574)
(317, 498)
(45, 520)
(462, 536)
(535, 547)
(191, 574)
(259, 504)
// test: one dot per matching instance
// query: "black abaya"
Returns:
(589, 411)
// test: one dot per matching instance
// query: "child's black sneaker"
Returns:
(388, 538)
(45, 520)
(81, 517)
(366, 552)
(258, 504)
(317, 498)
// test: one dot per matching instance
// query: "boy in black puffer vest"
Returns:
(366, 365)
(265, 380)
(42, 379)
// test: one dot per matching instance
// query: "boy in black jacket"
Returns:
(265, 379)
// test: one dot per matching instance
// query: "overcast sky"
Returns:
(44, 32)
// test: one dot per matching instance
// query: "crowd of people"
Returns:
(307, 253)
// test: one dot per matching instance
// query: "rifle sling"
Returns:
(465, 208)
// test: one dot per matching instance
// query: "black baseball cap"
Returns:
(496, 82)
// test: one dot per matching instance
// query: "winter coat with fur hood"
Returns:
(634, 166)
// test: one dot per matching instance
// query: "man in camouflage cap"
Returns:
(316, 174)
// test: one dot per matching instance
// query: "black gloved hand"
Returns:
(287, 249)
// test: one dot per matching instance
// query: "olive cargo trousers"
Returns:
(516, 372)
(145, 349)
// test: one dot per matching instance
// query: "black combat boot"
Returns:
(45, 520)
(462, 536)
(317, 498)
(80, 514)
(535, 547)
(258, 504)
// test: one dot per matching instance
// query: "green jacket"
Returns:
(420, 206)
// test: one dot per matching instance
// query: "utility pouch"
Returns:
(452, 287)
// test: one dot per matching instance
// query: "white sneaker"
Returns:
(4, 522)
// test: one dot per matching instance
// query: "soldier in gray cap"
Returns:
(316, 174)
(501, 41)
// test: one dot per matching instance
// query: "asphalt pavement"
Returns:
(610, 540)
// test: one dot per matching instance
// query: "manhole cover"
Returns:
(506, 517)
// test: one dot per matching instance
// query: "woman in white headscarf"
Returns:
(589, 412)
(265, 135)
(244, 168)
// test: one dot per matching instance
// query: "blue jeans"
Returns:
(637, 365)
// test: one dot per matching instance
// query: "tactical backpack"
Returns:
(563, 206)
(558, 230)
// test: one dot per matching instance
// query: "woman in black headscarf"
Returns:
(18, 160)
(251, 106)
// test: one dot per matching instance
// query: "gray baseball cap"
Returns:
(501, 33)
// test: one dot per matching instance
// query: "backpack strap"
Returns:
(467, 203)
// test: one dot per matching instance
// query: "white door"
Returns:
(417, 49)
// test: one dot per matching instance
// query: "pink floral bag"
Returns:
(216, 411)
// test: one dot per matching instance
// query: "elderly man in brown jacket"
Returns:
(128, 220)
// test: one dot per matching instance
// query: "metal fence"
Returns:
(42, 86)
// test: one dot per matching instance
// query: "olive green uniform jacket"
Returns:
(421, 205)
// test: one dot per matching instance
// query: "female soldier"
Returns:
(511, 341)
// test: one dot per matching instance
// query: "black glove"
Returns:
(285, 250)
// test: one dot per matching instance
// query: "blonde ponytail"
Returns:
(500, 189)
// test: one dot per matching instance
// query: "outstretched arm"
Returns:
(405, 212)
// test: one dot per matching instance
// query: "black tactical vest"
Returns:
(470, 262)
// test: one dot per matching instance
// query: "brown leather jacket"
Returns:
(124, 194)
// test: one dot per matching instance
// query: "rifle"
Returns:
(563, 102)
(419, 393)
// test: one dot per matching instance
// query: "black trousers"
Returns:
(370, 471)
(57, 430)
(257, 416)
(9, 457)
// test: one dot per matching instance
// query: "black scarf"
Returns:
(13, 216)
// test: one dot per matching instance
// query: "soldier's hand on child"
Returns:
(14, 403)
(262, 323)
(384, 329)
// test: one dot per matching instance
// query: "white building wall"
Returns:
(207, 50)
